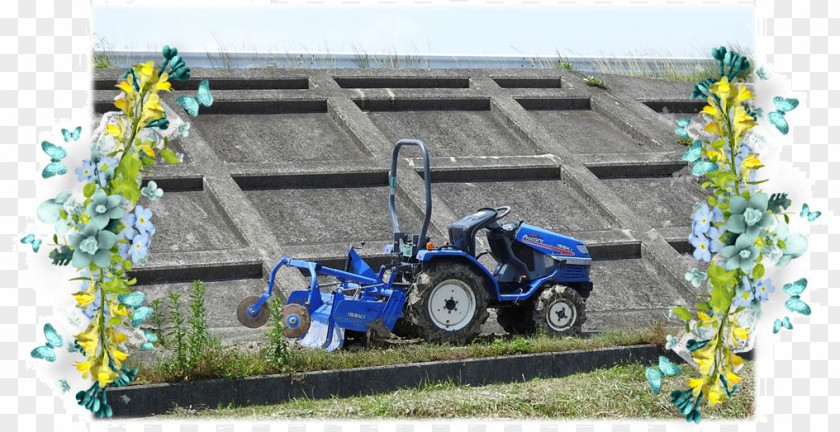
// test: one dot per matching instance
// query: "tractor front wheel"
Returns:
(560, 310)
(448, 304)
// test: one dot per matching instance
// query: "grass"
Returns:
(220, 361)
(619, 392)
(644, 65)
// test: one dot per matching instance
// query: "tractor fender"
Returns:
(490, 284)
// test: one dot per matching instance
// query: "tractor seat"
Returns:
(462, 232)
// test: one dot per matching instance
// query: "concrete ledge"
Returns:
(138, 401)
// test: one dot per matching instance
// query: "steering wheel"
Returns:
(502, 211)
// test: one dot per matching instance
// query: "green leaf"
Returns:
(129, 167)
(712, 201)
(169, 156)
(721, 297)
(758, 271)
(682, 313)
(89, 189)
(128, 188)
(787, 219)
(114, 321)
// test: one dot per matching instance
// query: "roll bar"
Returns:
(400, 239)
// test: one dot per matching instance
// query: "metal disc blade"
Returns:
(296, 320)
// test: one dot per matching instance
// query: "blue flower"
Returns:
(139, 248)
(85, 172)
(743, 254)
(671, 342)
(743, 294)
(143, 220)
(702, 219)
(714, 235)
(90, 245)
(105, 169)
(701, 247)
(763, 288)
(717, 215)
(103, 208)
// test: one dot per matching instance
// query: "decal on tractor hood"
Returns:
(537, 240)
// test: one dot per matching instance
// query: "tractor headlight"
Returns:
(582, 249)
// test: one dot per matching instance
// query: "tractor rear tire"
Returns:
(448, 303)
(518, 319)
(560, 311)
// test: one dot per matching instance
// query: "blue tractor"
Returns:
(540, 280)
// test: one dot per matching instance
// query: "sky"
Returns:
(498, 30)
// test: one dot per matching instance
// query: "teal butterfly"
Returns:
(702, 168)
(682, 124)
(54, 340)
(777, 118)
(56, 154)
(190, 104)
(763, 72)
(30, 239)
(134, 299)
(63, 386)
(654, 375)
(794, 303)
(184, 129)
(779, 323)
(807, 213)
(71, 136)
(141, 314)
(694, 151)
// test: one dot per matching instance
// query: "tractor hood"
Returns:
(558, 246)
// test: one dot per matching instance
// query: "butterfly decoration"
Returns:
(56, 154)
(63, 386)
(701, 168)
(184, 129)
(71, 136)
(151, 338)
(808, 214)
(794, 303)
(777, 118)
(134, 299)
(54, 340)
(191, 104)
(779, 323)
(764, 72)
(682, 123)
(35, 242)
(654, 375)
(141, 314)
(151, 191)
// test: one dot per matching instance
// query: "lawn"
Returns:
(619, 392)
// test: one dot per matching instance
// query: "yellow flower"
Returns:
(144, 72)
(714, 393)
(750, 164)
(697, 385)
(86, 297)
(152, 110)
(105, 376)
(743, 93)
(742, 122)
(740, 332)
(163, 83)
(731, 378)
(723, 90)
(84, 368)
